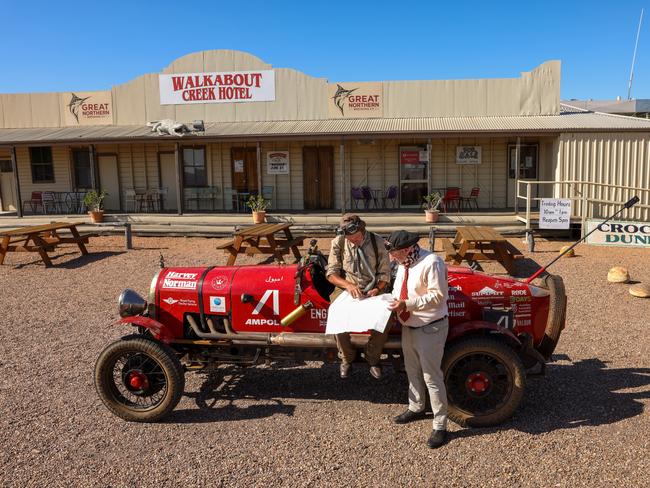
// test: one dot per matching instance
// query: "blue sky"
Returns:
(64, 46)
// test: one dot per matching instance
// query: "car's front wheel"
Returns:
(139, 379)
(485, 381)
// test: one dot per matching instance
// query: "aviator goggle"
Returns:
(348, 229)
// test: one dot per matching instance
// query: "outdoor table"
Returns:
(41, 239)
(260, 239)
(481, 244)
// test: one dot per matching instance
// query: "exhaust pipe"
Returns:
(284, 339)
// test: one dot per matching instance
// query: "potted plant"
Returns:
(94, 202)
(431, 204)
(258, 204)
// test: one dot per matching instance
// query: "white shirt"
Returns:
(427, 289)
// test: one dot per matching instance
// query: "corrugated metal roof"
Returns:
(571, 119)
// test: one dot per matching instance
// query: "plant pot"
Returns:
(96, 216)
(431, 216)
(259, 216)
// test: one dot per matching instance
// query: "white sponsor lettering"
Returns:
(265, 298)
(318, 313)
(487, 291)
(456, 313)
(455, 288)
(519, 292)
(179, 285)
(271, 279)
(181, 276)
(262, 322)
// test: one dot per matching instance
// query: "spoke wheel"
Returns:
(139, 379)
(485, 381)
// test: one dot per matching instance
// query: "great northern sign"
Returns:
(222, 87)
(628, 234)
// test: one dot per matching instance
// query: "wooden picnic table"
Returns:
(260, 239)
(41, 239)
(473, 243)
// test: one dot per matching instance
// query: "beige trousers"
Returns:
(423, 349)
(347, 352)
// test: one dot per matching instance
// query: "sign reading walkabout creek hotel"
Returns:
(355, 100)
(222, 87)
(87, 108)
(628, 234)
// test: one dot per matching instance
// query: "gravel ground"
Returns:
(585, 423)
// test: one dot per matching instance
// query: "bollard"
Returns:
(127, 235)
(530, 240)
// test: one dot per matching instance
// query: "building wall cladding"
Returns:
(298, 96)
(373, 163)
(615, 159)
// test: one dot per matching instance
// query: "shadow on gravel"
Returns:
(226, 393)
(79, 261)
(82, 260)
(584, 393)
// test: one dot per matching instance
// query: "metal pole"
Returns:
(517, 175)
(259, 167)
(633, 201)
(342, 158)
(636, 43)
(14, 167)
(91, 155)
(127, 236)
(179, 180)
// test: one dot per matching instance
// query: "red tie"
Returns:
(403, 295)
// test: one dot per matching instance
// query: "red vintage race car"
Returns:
(501, 331)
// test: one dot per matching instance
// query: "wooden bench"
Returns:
(41, 239)
(448, 248)
(260, 239)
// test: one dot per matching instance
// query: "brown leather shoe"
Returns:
(408, 416)
(375, 372)
(437, 438)
(344, 369)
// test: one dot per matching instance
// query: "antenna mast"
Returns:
(629, 86)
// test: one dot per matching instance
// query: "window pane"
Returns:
(41, 163)
(188, 156)
(81, 163)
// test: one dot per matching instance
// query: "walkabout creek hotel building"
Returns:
(310, 144)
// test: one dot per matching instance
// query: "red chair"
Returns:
(451, 199)
(35, 201)
(472, 198)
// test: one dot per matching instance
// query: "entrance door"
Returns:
(7, 187)
(168, 180)
(413, 175)
(109, 180)
(244, 169)
(527, 169)
(318, 177)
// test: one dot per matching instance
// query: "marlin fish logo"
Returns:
(75, 103)
(340, 96)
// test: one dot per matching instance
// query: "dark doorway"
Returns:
(318, 177)
(244, 169)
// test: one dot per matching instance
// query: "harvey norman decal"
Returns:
(180, 281)
(627, 234)
(222, 87)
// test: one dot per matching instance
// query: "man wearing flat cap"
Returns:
(358, 263)
(420, 293)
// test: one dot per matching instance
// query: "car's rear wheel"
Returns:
(139, 379)
(485, 381)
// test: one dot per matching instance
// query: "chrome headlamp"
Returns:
(130, 303)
